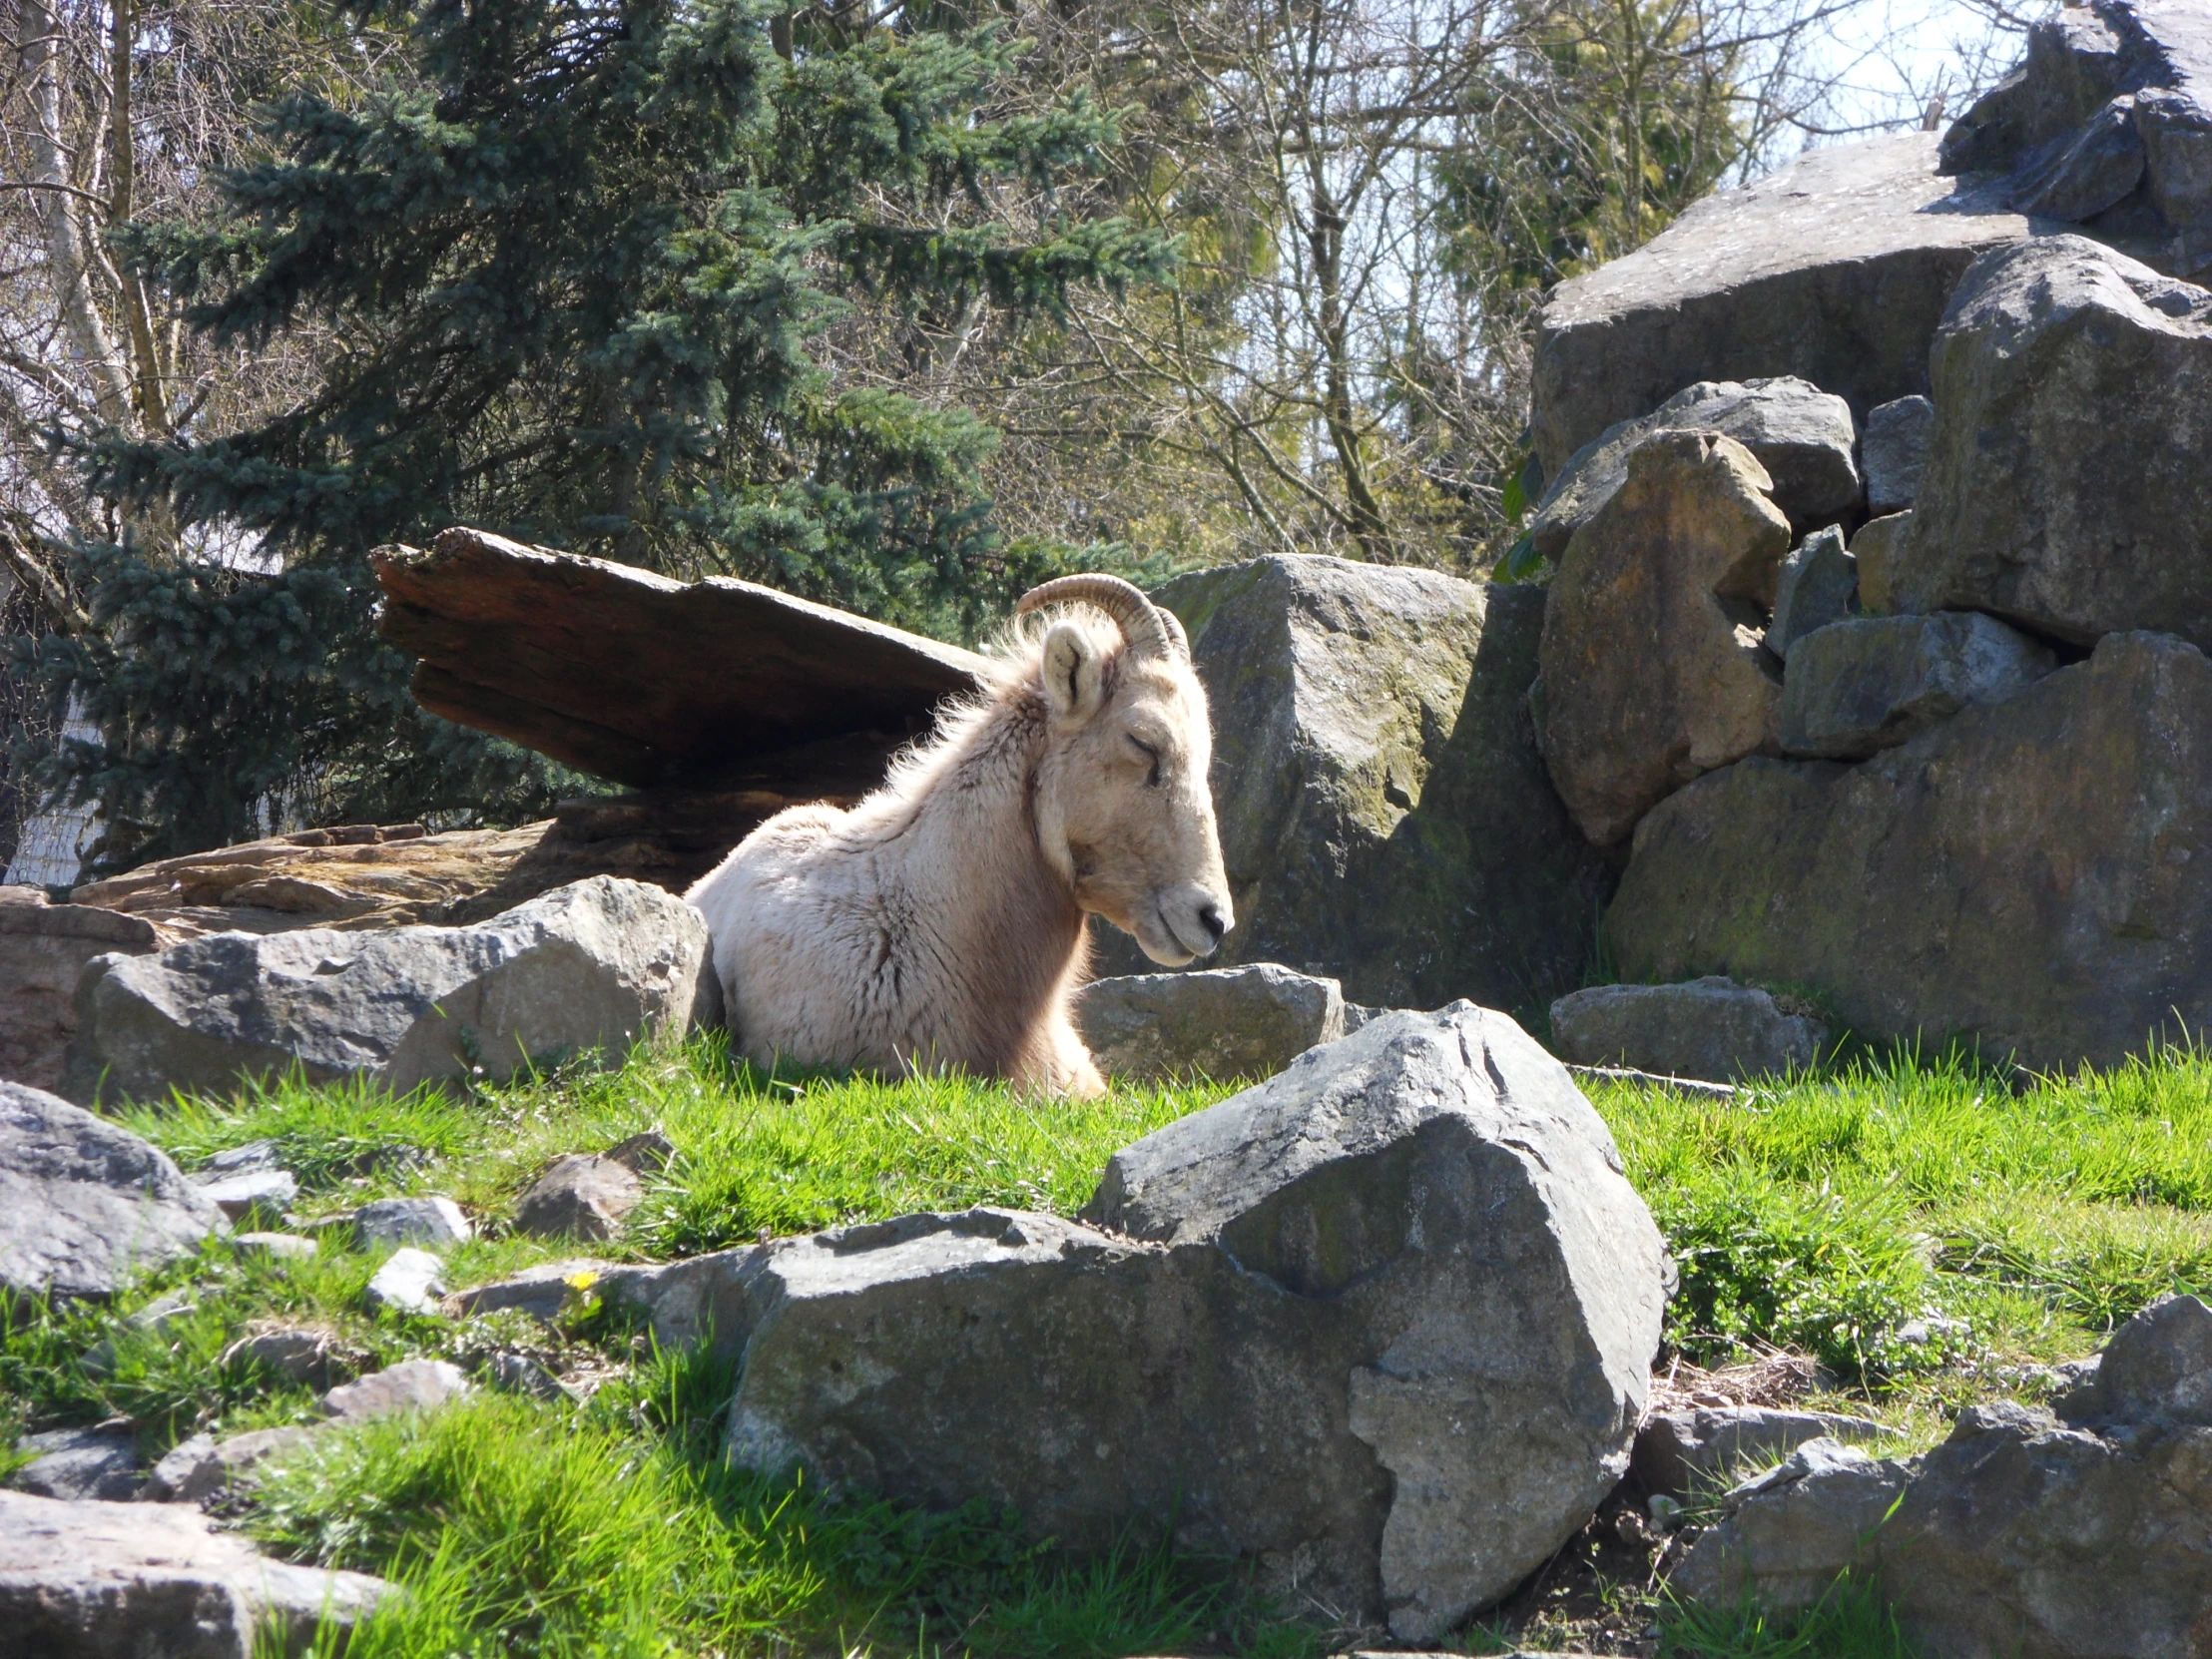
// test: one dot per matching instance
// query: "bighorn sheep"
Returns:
(938, 925)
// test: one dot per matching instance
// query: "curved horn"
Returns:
(1150, 631)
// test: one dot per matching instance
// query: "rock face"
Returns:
(599, 964)
(1653, 667)
(43, 951)
(1224, 1023)
(1871, 683)
(93, 1580)
(1894, 450)
(2075, 1535)
(1818, 584)
(1415, 1246)
(85, 1204)
(2110, 121)
(1798, 433)
(2069, 479)
(1710, 1028)
(648, 681)
(1385, 816)
(2026, 874)
(1836, 268)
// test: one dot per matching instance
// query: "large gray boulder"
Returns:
(84, 1204)
(1385, 818)
(1835, 269)
(1711, 1028)
(1803, 438)
(1381, 1326)
(2027, 874)
(1875, 681)
(2068, 485)
(1224, 1022)
(2108, 120)
(92, 1580)
(1654, 663)
(599, 964)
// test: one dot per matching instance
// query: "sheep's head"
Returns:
(1124, 812)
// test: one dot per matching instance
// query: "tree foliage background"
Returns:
(902, 308)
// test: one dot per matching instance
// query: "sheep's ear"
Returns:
(1072, 673)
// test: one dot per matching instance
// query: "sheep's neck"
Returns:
(1004, 917)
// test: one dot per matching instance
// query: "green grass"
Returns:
(1825, 1214)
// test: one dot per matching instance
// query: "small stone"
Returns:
(644, 1154)
(581, 1196)
(1875, 681)
(409, 1281)
(1894, 450)
(285, 1247)
(410, 1386)
(81, 1464)
(1220, 1022)
(239, 1196)
(1711, 1028)
(1677, 1451)
(1818, 584)
(240, 1160)
(300, 1356)
(518, 1374)
(1875, 550)
(435, 1223)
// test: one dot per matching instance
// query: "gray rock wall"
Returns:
(1385, 818)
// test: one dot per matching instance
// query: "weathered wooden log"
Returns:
(632, 677)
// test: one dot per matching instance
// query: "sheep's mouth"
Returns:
(1161, 941)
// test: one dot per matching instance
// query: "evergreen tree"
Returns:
(581, 265)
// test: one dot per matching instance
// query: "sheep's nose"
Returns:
(1209, 918)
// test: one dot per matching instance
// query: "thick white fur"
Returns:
(938, 925)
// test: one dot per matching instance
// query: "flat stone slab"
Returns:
(91, 1581)
(1836, 268)
(1712, 1029)
(643, 680)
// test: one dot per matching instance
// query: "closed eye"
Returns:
(1152, 779)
